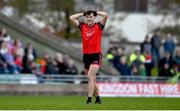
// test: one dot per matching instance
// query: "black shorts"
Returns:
(89, 59)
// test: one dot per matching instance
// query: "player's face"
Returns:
(90, 19)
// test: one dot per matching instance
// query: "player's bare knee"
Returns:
(91, 77)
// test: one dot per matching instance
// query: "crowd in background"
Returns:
(147, 59)
(17, 58)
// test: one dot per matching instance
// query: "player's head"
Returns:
(90, 17)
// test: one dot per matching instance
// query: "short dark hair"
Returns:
(89, 12)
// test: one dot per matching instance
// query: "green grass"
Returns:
(78, 103)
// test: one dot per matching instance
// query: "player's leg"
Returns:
(91, 80)
(96, 90)
(89, 100)
(96, 94)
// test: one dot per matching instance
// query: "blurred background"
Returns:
(39, 45)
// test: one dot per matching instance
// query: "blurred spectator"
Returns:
(19, 63)
(71, 68)
(137, 58)
(169, 44)
(112, 47)
(30, 50)
(66, 59)
(123, 67)
(60, 63)
(111, 53)
(3, 64)
(148, 63)
(176, 60)
(34, 68)
(43, 63)
(138, 71)
(156, 44)
(134, 70)
(48, 65)
(142, 70)
(18, 49)
(146, 45)
(165, 65)
(8, 59)
(29, 57)
(146, 48)
(4, 36)
(119, 53)
(51, 66)
(28, 60)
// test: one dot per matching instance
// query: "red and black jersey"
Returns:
(91, 37)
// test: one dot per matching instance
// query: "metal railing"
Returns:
(100, 78)
(77, 79)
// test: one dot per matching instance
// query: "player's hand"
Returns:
(94, 12)
(84, 13)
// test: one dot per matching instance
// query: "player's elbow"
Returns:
(71, 18)
(105, 15)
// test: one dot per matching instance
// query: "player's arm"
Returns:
(104, 15)
(74, 18)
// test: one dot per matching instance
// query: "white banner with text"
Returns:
(139, 89)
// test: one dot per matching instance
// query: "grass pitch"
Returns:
(78, 103)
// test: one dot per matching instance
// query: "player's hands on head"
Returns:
(89, 12)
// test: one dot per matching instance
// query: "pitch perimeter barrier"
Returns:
(110, 86)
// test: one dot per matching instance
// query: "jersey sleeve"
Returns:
(101, 25)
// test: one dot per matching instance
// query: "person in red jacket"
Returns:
(91, 33)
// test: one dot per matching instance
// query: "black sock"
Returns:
(97, 98)
(89, 98)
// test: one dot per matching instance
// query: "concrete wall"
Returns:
(43, 89)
